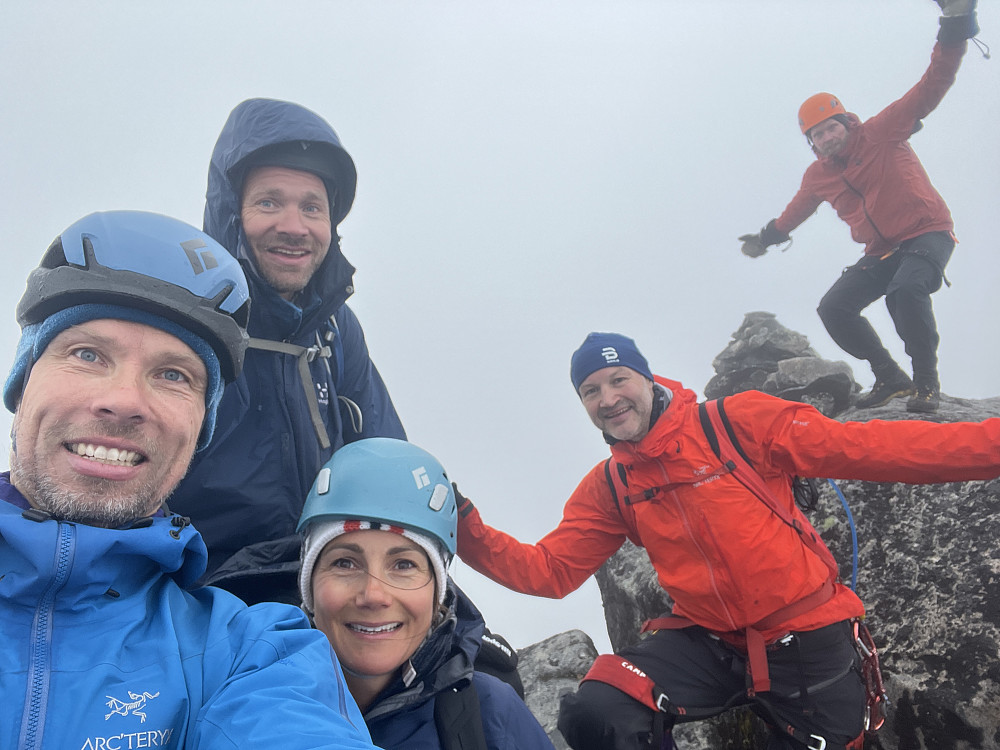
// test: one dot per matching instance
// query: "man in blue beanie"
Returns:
(131, 325)
(760, 616)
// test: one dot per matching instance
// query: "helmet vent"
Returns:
(323, 481)
(438, 497)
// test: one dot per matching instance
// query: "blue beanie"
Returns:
(600, 350)
(36, 337)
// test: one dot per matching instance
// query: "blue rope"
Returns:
(854, 535)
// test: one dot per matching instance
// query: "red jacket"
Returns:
(877, 184)
(726, 560)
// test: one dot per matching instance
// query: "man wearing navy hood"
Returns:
(279, 184)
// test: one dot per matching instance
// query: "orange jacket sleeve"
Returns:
(798, 439)
(591, 531)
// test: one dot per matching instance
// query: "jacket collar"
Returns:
(657, 440)
(444, 659)
(99, 560)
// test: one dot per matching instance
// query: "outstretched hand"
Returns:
(753, 247)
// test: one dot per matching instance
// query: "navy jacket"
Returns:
(403, 715)
(245, 491)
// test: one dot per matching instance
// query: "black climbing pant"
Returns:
(815, 686)
(906, 279)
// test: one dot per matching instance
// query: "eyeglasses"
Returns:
(398, 573)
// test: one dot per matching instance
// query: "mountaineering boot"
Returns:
(887, 387)
(926, 399)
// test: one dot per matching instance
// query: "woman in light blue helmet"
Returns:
(379, 529)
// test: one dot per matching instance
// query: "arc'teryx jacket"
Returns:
(403, 715)
(877, 184)
(245, 492)
(726, 560)
(104, 649)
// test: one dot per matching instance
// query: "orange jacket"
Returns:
(726, 560)
(877, 185)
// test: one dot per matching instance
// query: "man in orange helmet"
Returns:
(873, 179)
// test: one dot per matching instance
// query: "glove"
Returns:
(958, 21)
(753, 247)
(463, 504)
(956, 7)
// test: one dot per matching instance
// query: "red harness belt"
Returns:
(627, 677)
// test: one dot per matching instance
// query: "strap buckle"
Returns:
(820, 742)
(317, 351)
(662, 702)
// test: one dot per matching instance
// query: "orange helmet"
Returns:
(817, 108)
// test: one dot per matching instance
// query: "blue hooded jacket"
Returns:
(245, 491)
(104, 648)
(403, 714)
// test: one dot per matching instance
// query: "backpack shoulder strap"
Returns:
(304, 355)
(722, 438)
(617, 479)
(458, 719)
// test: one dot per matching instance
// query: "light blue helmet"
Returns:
(386, 480)
(149, 262)
(146, 268)
(384, 484)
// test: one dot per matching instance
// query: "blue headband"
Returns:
(600, 350)
(36, 337)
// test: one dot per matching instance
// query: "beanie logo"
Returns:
(421, 478)
(610, 354)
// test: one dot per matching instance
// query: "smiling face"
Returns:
(286, 219)
(108, 422)
(829, 137)
(619, 401)
(374, 627)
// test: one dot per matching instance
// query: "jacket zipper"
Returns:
(39, 664)
(709, 566)
(864, 207)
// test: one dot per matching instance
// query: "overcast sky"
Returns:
(528, 172)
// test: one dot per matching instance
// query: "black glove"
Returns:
(958, 21)
(752, 245)
(956, 7)
(464, 504)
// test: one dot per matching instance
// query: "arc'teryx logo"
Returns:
(204, 262)
(610, 354)
(421, 478)
(134, 706)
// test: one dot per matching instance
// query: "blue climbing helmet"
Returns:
(148, 262)
(389, 481)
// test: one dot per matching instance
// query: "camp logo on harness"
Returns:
(134, 705)
(633, 668)
(610, 354)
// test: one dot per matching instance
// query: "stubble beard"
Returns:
(99, 503)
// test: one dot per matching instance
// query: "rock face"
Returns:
(766, 356)
(551, 669)
(929, 573)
